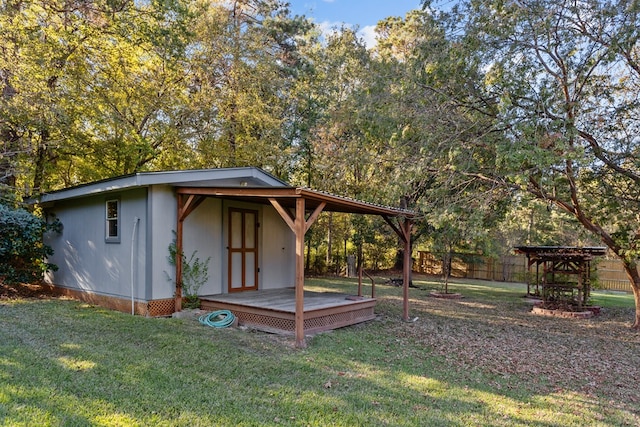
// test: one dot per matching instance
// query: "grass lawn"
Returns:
(483, 360)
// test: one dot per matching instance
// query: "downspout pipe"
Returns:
(136, 220)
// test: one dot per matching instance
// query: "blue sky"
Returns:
(363, 13)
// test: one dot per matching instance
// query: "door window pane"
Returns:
(236, 270)
(250, 269)
(250, 230)
(236, 230)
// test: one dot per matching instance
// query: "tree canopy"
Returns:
(479, 116)
(560, 84)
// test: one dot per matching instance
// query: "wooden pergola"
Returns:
(299, 208)
(559, 264)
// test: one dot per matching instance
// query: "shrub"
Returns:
(195, 273)
(22, 250)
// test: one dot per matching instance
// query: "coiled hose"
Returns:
(227, 319)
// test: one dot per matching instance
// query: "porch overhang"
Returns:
(287, 196)
(293, 204)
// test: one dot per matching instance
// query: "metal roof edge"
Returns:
(143, 179)
(358, 201)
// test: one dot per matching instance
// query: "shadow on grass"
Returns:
(66, 363)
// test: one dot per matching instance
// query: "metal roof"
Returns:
(593, 250)
(247, 183)
(287, 196)
(222, 177)
(550, 253)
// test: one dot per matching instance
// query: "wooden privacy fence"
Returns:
(608, 273)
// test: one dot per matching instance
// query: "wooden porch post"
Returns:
(299, 225)
(406, 268)
(300, 232)
(179, 229)
(185, 207)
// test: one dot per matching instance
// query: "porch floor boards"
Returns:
(274, 310)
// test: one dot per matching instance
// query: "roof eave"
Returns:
(333, 202)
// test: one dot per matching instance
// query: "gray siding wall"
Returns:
(203, 235)
(162, 223)
(278, 262)
(86, 261)
(276, 257)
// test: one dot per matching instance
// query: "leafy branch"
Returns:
(195, 273)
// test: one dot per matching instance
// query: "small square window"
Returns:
(113, 218)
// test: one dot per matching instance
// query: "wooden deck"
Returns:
(274, 310)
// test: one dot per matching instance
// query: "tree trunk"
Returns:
(308, 261)
(630, 265)
(631, 268)
(10, 139)
(7, 157)
(636, 295)
(446, 269)
(360, 257)
(399, 261)
(42, 157)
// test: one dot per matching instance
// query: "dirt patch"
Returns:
(25, 291)
(598, 356)
(443, 295)
(541, 311)
(568, 312)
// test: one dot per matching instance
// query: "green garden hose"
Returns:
(226, 320)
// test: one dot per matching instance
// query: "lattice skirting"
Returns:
(284, 323)
(160, 307)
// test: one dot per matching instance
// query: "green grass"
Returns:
(612, 299)
(65, 363)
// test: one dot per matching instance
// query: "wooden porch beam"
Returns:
(284, 213)
(395, 228)
(262, 194)
(287, 217)
(190, 205)
(314, 216)
(299, 225)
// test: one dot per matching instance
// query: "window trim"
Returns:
(108, 238)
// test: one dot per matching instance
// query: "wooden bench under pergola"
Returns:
(562, 273)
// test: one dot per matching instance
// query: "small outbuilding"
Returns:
(113, 250)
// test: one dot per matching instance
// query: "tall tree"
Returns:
(429, 129)
(32, 113)
(86, 87)
(563, 79)
(343, 151)
(245, 60)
